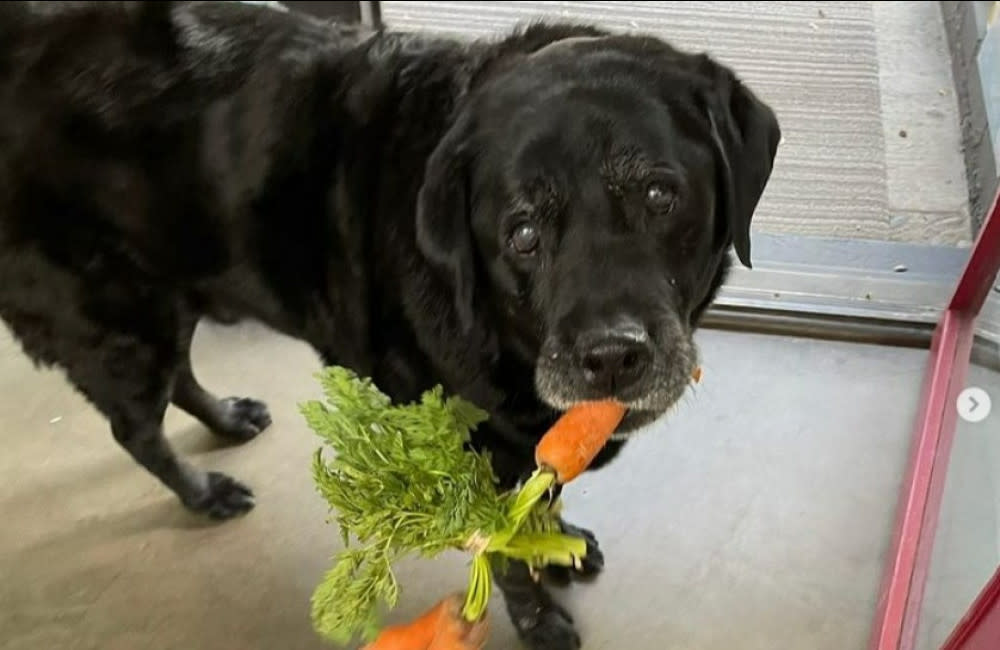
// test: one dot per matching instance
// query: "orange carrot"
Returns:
(440, 628)
(577, 437)
(415, 635)
(455, 633)
(696, 374)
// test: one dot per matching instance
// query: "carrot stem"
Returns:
(477, 597)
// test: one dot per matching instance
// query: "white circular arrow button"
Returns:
(974, 404)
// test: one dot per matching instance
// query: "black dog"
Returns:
(531, 222)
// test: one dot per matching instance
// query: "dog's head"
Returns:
(587, 195)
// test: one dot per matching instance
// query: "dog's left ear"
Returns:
(444, 234)
(745, 134)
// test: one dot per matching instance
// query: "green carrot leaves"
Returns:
(401, 479)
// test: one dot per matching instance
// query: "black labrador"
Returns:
(532, 220)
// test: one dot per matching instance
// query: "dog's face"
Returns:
(587, 198)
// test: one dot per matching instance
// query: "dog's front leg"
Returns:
(591, 565)
(541, 623)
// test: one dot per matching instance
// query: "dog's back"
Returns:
(133, 134)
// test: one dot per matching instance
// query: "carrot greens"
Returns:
(401, 480)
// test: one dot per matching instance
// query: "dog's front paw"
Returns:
(546, 627)
(591, 565)
(242, 418)
(223, 498)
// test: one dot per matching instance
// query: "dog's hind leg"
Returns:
(233, 418)
(119, 344)
(128, 379)
(138, 428)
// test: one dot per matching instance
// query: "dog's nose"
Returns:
(615, 362)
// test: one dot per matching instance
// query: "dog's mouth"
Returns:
(634, 423)
(563, 379)
(641, 410)
(638, 416)
(637, 420)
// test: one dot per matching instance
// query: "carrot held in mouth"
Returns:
(571, 445)
(576, 438)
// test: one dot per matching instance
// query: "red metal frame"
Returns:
(980, 629)
(898, 611)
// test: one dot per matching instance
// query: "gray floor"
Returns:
(757, 517)
(872, 145)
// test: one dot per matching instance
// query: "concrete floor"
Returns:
(764, 511)
(864, 91)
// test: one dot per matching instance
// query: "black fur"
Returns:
(366, 193)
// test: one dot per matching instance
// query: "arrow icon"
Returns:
(973, 404)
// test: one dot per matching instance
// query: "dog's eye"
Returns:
(524, 239)
(660, 198)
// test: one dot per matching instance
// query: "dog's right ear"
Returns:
(745, 134)
(444, 234)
